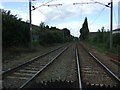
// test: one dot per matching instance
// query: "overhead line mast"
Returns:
(30, 18)
(111, 16)
(30, 25)
(111, 24)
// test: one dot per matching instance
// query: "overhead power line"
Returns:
(92, 3)
(44, 14)
(42, 4)
(101, 3)
(45, 4)
(111, 15)
(98, 15)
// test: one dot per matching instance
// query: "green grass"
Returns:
(14, 52)
(35, 43)
(104, 48)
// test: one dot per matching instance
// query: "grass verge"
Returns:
(104, 48)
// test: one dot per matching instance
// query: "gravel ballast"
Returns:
(20, 76)
(92, 72)
(115, 68)
(63, 68)
(7, 64)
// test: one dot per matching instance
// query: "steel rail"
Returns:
(29, 80)
(27, 62)
(78, 69)
(105, 67)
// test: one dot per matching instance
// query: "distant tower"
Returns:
(119, 14)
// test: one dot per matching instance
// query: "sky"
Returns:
(66, 15)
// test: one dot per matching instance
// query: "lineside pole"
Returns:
(0, 50)
(111, 23)
(30, 25)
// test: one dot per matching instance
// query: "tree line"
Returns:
(50, 35)
(101, 38)
(16, 33)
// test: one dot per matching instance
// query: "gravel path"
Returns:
(62, 68)
(91, 71)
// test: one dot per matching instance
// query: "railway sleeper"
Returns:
(65, 84)
(90, 86)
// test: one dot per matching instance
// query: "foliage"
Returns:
(84, 30)
(53, 35)
(116, 39)
(14, 31)
(102, 40)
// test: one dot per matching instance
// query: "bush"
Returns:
(14, 31)
(104, 44)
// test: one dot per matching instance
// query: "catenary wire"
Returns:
(97, 16)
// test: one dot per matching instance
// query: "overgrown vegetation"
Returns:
(16, 33)
(50, 35)
(101, 40)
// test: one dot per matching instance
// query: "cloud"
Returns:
(56, 13)
(13, 0)
(73, 26)
(25, 16)
(1, 6)
(60, 13)
(37, 17)
(118, 25)
(19, 13)
(67, 12)
(53, 14)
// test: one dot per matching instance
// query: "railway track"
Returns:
(78, 69)
(18, 77)
(61, 74)
(93, 71)
(88, 70)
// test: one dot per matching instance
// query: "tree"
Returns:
(102, 34)
(42, 25)
(66, 32)
(84, 30)
(47, 27)
(15, 32)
